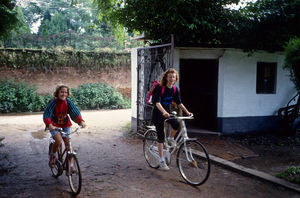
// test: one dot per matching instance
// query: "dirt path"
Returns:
(112, 164)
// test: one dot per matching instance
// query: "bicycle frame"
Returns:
(182, 136)
(67, 147)
(188, 150)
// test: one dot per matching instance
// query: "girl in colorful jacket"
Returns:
(56, 116)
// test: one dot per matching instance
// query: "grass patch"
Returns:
(292, 174)
(128, 132)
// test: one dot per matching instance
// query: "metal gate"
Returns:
(152, 62)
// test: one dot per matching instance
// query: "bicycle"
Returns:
(63, 157)
(192, 158)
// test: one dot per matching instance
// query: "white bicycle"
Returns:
(192, 158)
(63, 159)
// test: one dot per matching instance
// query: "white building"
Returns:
(228, 90)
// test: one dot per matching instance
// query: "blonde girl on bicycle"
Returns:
(162, 100)
(56, 116)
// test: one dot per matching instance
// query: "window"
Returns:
(266, 78)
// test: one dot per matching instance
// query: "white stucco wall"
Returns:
(133, 82)
(237, 85)
(236, 82)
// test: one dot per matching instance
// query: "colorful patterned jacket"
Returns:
(57, 111)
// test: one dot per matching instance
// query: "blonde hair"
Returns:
(164, 81)
(59, 87)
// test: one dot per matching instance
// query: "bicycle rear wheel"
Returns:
(74, 175)
(57, 169)
(193, 162)
(150, 148)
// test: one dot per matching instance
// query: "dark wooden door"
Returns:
(199, 90)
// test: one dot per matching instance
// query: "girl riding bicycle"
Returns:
(162, 99)
(56, 116)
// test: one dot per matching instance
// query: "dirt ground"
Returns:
(112, 164)
(267, 153)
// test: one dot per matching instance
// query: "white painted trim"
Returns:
(134, 82)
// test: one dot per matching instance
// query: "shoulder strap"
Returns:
(162, 90)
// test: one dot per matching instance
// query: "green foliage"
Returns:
(98, 96)
(8, 16)
(49, 60)
(265, 24)
(292, 60)
(192, 22)
(270, 24)
(64, 23)
(291, 174)
(14, 37)
(20, 97)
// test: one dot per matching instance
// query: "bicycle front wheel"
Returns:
(74, 174)
(193, 162)
(150, 148)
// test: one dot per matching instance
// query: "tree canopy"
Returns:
(292, 60)
(63, 23)
(8, 16)
(265, 24)
(270, 24)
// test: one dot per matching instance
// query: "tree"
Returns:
(13, 39)
(8, 16)
(265, 24)
(292, 60)
(64, 24)
(271, 23)
(33, 13)
(191, 21)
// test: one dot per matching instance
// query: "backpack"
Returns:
(151, 92)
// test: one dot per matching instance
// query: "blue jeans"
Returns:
(67, 130)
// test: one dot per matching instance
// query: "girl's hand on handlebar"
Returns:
(189, 114)
(82, 124)
(51, 127)
(166, 114)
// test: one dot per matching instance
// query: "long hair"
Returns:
(59, 87)
(164, 76)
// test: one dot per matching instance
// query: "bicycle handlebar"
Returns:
(59, 129)
(186, 117)
(174, 116)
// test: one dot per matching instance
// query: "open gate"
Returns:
(152, 62)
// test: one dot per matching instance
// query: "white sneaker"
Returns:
(164, 166)
(167, 156)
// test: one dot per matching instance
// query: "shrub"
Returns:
(291, 174)
(20, 97)
(292, 60)
(98, 96)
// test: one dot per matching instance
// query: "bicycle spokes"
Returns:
(193, 162)
(74, 174)
(150, 149)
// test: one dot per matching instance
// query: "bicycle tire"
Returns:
(57, 169)
(195, 170)
(74, 179)
(150, 148)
